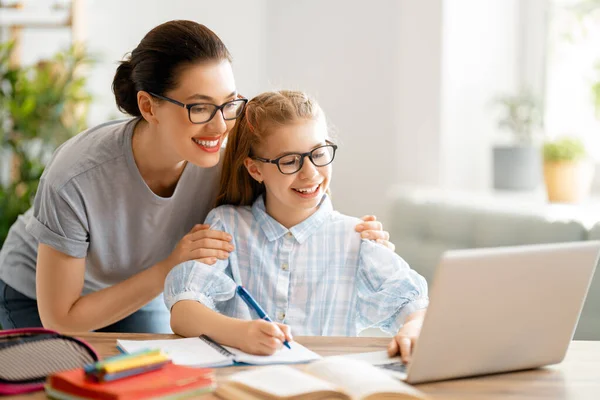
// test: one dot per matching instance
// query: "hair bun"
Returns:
(124, 89)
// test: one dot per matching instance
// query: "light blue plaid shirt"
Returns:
(319, 277)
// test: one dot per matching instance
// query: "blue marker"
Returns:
(254, 305)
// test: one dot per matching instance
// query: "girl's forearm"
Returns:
(190, 318)
(419, 314)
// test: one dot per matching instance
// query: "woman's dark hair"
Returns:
(155, 63)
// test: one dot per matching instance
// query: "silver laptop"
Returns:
(497, 310)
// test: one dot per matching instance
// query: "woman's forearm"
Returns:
(59, 284)
(107, 306)
(190, 318)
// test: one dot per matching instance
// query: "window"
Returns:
(573, 66)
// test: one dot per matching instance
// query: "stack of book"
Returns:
(141, 375)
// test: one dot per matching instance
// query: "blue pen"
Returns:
(254, 305)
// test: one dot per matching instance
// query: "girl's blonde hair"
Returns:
(262, 113)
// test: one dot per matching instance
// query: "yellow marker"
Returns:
(136, 362)
(97, 366)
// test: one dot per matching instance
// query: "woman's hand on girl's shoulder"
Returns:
(202, 244)
(373, 229)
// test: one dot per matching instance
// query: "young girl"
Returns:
(301, 260)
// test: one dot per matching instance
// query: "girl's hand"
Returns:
(407, 336)
(263, 338)
(201, 244)
(373, 229)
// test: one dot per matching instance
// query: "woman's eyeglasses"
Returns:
(201, 113)
(291, 163)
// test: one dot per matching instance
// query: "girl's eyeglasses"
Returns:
(201, 113)
(291, 163)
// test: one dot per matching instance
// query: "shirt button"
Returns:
(289, 235)
(285, 267)
(281, 315)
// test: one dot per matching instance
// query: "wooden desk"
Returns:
(576, 378)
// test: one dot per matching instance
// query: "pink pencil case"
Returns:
(28, 356)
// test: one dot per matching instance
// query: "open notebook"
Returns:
(329, 378)
(204, 352)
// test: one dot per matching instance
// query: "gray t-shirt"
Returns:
(92, 202)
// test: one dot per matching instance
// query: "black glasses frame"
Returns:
(302, 157)
(217, 108)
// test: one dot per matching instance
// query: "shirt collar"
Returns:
(273, 230)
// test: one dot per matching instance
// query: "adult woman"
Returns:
(117, 206)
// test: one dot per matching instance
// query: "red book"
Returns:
(171, 379)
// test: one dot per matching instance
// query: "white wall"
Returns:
(418, 92)
(480, 50)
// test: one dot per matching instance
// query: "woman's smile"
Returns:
(210, 144)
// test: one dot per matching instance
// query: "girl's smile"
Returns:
(308, 192)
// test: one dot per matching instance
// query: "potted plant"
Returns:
(517, 165)
(568, 172)
(41, 106)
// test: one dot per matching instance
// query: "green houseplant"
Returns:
(517, 166)
(567, 171)
(596, 91)
(41, 106)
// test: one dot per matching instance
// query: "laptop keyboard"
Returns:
(395, 366)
